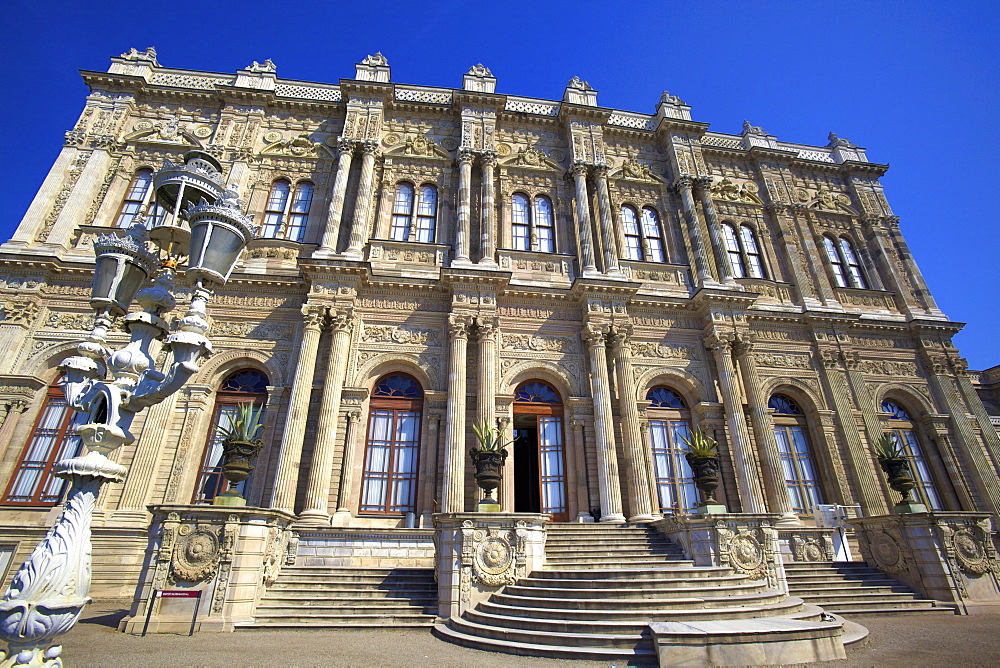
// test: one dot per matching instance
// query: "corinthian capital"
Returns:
(621, 334)
(594, 334)
(312, 315)
(487, 326)
(370, 147)
(683, 182)
(345, 145)
(601, 170)
(743, 344)
(580, 168)
(702, 183)
(341, 319)
(488, 159)
(466, 156)
(719, 342)
(458, 326)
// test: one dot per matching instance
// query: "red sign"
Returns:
(179, 593)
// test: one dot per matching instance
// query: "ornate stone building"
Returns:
(598, 282)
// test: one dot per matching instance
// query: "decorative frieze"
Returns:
(272, 331)
(539, 343)
(783, 360)
(662, 350)
(887, 368)
(401, 335)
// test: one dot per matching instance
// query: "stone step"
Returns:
(629, 562)
(289, 593)
(317, 619)
(467, 636)
(673, 570)
(667, 589)
(620, 635)
(271, 608)
(654, 603)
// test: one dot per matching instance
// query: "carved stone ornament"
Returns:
(812, 548)
(885, 551)
(969, 552)
(746, 555)
(492, 556)
(196, 555)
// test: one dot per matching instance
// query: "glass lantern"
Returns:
(123, 266)
(219, 232)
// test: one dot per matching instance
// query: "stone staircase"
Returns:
(312, 596)
(855, 588)
(600, 589)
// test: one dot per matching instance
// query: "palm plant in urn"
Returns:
(703, 457)
(241, 444)
(893, 462)
(489, 459)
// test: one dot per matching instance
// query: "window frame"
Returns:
(639, 241)
(415, 217)
(398, 406)
(284, 215)
(141, 203)
(799, 462)
(741, 260)
(845, 266)
(60, 444)
(669, 418)
(923, 474)
(539, 228)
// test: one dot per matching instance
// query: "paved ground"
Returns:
(916, 640)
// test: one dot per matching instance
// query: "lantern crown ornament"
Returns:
(205, 222)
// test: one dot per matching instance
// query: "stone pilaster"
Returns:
(637, 471)
(751, 498)
(317, 500)
(135, 491)
(607, 457)
(582, 496)
(683, 186)
(363, 202)
(607, 222)
(335, 214)
(453, 485)
(583, 219)
(343, 514)
(465, 159)
(488, 244)
(793, 255)
(775, 490)
(290, 454)
(704, 187)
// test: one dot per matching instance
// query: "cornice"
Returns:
(461, 98)
(570, 111)
(359, 87)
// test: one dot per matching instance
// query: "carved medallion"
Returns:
(885, 550)
(969, 552)
(272, 136)
(196, 555)
(494, 561)
(747, 556)
(503, 150)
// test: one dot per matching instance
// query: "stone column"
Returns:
(607, 222)
(363, 202)
(683, 187)
(317, 502)
(290, 454)
(334, 216)
(135, 492)
(465, 159)
(775, 489)
(486, 408)
(488, 244)
(453, 485)
(751, 498)
(704, 186)
(347, 468)
(14, 408)
(583, 219)
(580, 473)
(636, 473)
(607, 457)
(919, 285)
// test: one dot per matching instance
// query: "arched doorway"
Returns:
(539, 451)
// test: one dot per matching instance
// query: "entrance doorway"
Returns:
(539, 452)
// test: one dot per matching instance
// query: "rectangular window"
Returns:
(211, 483)
(52, 440)
(390, 475)
(674, 478)
(551, 467)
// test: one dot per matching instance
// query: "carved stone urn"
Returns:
(489, 474)
(897, 470)
(705, 472)
(237, 464)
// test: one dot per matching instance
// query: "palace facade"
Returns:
(597, 282)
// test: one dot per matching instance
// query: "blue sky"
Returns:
(914, 82)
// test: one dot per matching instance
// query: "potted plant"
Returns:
(703, 457)
(892, 460)
(241, 444)
(489, 459)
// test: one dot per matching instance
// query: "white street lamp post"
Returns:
(207, 224)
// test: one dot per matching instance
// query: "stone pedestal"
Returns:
(947, 556)
(478, 554)
(747, 543)
(231, 555)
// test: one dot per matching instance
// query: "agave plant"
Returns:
(491, 439)
(699, 445)
(244, 425)
(887, 448)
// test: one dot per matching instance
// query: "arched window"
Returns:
(796, 456)
(669, 424)
(137, 199)
(53, 438)
(843, 262)
(643, 242)
(409, 227)
(743, 251)
(539, 451)
(240, 387)
(900, 427)
(532, 223)
(286, 212)
(389, 481)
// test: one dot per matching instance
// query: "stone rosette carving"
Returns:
(746, 555)
(492, 556)
(748, 550)
(885, 549)
(196, 554)
(968, 546)
(811, 548)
